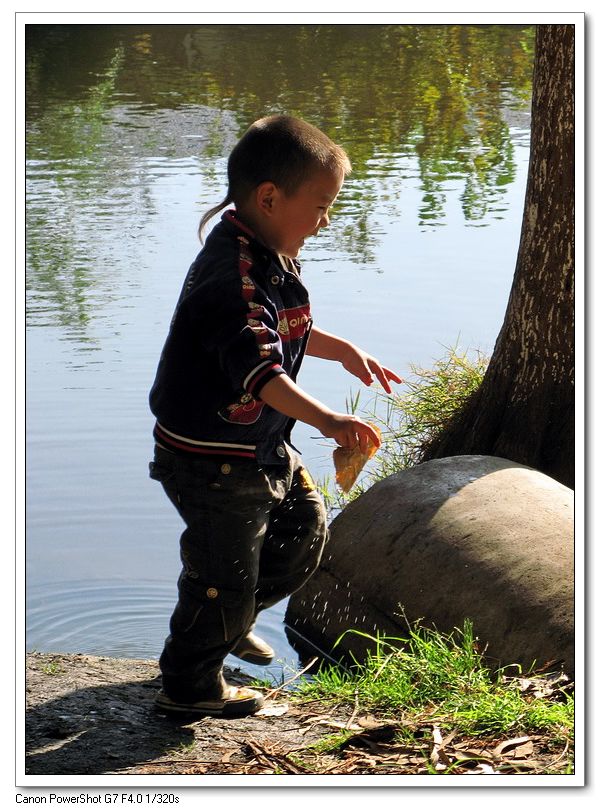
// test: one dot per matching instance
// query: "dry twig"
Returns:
(277, 690)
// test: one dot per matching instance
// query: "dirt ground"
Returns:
(94, 715)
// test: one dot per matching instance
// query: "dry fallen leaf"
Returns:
(482, 768)
(511, 744)
(439, 758)
(368, 721)
(350, 461)
(524, 750)
(273, 710)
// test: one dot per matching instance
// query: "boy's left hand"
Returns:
(365, 366)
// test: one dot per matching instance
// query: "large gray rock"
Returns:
(466, 537)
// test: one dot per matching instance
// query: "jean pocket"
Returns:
(162, 467)
(211, 615)
(159, 472)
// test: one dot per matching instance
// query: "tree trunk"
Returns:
(524, 409)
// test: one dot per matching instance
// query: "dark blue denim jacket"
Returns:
(241, 319)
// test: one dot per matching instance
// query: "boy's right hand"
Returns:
(288, 398)
(349, 431)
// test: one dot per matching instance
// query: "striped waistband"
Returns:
(182, 444)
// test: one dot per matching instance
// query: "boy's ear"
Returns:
(267, 195)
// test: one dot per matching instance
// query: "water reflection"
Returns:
(427, 101)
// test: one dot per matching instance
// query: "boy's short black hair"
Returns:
(281, 149)
(284, 150)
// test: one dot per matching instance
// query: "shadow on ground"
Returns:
(95, 715)
(100, 729)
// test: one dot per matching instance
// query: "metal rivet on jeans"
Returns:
(211, 593)
(226, 469)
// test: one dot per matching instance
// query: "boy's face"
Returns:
(296, 217)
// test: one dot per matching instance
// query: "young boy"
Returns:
(225, 400)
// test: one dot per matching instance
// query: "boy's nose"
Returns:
(323, 223)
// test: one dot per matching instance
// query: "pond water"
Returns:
(128, 133)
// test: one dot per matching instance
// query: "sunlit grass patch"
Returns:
(428, 675)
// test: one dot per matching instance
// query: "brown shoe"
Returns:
(234, 703)
(253, 649)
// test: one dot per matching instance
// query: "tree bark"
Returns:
(524, 409)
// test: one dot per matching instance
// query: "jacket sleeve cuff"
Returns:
(261, 375)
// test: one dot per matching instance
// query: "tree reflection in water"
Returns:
(432, 101)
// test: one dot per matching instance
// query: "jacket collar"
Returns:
(233, 224)
(231, 219)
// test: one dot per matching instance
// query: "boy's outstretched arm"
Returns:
(323, 344)
(282, 394)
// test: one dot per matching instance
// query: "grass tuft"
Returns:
(441, 677)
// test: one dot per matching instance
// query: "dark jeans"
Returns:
(253, 536)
